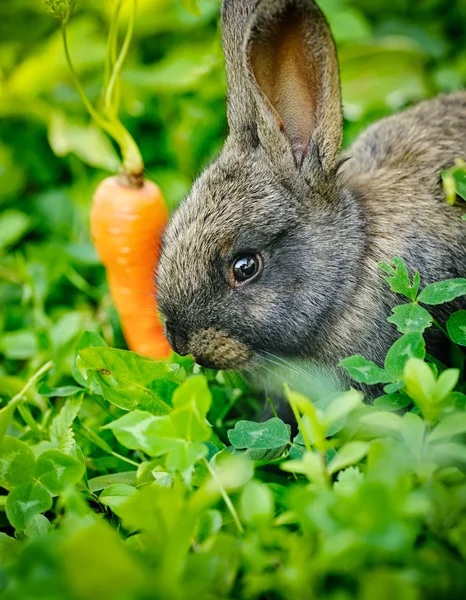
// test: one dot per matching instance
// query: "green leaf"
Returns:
(6, 415)
(256, 503)
(419, 381)
(394, 387)
(407, 346)
(130, 381)
(89, 339)
(348, 481)
(383, 422)
(445, 384)
(459, 176)
(140, 430)
(231, 472)
(12, 173)
(182, 455)
(19, 345)
(310, 465)
(9, 549)
(443, 291)
(448, 453)
(413, 433)
(349, 454)
(98, 565)
(17, 463)
(398, 278)
(104, 481)
(13, 225)
(313, 426)
(454, 182)
(25, 502)
(395, 401)
(296, 451)
(261, 436)
(210, 522)
(158, 436)
(365, 371)
(264, 456)
(38, 526)
(344, 404)
(57, 471)
(456, 326)
(410, 318)
(191, 401)
(61, 433)
(59, 392)
(87, 142)
(449, 427)
(181, 70)
(116, 495)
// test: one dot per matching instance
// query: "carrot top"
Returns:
(107, 117)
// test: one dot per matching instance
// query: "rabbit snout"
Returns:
(177, 339)
(212, 348)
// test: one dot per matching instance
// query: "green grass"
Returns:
(125, 477)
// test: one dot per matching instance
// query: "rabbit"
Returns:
(273, 256)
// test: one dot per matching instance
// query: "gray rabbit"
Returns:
(274, 253)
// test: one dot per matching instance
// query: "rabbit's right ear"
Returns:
(284, 88)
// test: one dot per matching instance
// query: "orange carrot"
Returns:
(128, 214)
(126, 226)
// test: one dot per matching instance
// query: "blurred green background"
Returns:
(392, 53)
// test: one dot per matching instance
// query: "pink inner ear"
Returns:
(289, 78)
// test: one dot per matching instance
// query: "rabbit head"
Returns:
(248, 262)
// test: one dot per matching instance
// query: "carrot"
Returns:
(128, 213)
(126, 226)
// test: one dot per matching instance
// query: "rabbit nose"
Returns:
(177, 339)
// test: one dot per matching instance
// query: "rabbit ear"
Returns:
(291, 77)
(292, 56)
(240, 101)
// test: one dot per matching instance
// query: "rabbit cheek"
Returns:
(215, 349)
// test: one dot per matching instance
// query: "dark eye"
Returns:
(247, 267)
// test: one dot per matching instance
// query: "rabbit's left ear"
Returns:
(291, 56)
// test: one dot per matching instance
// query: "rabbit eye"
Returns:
(247, 267)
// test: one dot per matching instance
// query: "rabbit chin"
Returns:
(215, 349)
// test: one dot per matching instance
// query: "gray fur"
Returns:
(321, 221)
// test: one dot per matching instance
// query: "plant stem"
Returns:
(111, 107)
(90, 109)
(111, 52)
(133, 165)
(302, 429)
(20, 395)
(127, 460)
(437, 324)
(225, 497)
(272, 406)
(24, 411)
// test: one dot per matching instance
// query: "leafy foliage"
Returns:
(128, 478)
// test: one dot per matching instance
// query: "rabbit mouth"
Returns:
(215, 349)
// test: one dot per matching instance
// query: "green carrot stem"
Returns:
(111, 106)
(90, 109)
(133, 165)
(112, 40)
